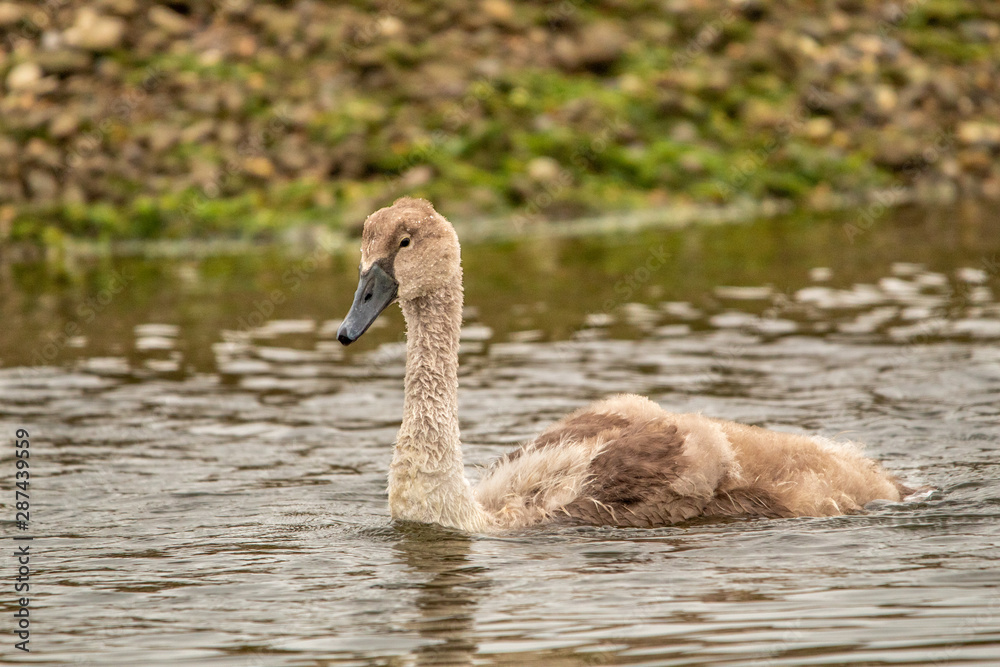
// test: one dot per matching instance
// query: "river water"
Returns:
(208, 463)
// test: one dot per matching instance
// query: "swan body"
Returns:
(622, 461)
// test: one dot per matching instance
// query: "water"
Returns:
(209, 464)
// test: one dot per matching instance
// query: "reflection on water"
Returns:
(210, 462)
(448, 588)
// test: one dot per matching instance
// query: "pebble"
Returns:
(94, 32)
(335, 63)
(24, 76)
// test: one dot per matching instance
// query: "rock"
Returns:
(974, 133)
(51, 40)
(684, 132)
(205, 172)
(819, 128)
(121, 7)
(198, 132)
(279, 23)
(991, 188)
(978, 162)
(885, 99)
(897, 151)
(291, 153)
(63, 61)
(323, 198)
(759, 113)
(984, 32)
(543, 170)
(63, 125)
(596, 46)
(162, 136)
(42, 153)
(229, 132)
(631, 84)
(391, 27)
(439, 80)
(259, 166)
(235, 7)
(110, 71)
(946, 87)
(73, 194)
(691, 163)
(42, 186)
(488, 68)
(565, 52)
(210, 57)
(10, 13)
(168, 20)
(10, 191)
(418, 176)
(602, 44)
(8, 151)
(856, 82)
(95, 32)
(245, 46)
(24, 77)
(499, 11)
(232, 98)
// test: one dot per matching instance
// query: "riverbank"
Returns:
(134, 120)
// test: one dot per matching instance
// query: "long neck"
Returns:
(426, 478)
(430, 408)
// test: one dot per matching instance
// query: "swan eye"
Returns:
(404, 243)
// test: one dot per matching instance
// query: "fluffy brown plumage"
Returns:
(622, 461)
(647, 467)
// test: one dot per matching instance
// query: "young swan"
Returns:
(622, 461)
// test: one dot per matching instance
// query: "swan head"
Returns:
(408, 250)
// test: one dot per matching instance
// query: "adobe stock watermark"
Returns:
(291, 279)
(35, 20)
(707, 35)
(940, 145)
(457, 115)
(626, 288)
(749, 164)
(927, 331)
(792, 634)
(371, 30)
(781, 304)
(118, 112)
(983, 620)
(250, 150)
(86, 313)
(628, 285)
(582, 158)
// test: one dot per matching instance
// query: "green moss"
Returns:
(940, 43)
(667, 119)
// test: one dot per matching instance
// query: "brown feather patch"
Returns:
(746, 503)
(631, 480)
(573, 429)
(632, 484)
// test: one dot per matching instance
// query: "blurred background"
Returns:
(129, 119)
(180, 186)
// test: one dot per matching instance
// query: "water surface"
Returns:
(209, 463)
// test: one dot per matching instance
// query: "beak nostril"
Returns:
(376, 290)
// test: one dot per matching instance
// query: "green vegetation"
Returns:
(143, 120)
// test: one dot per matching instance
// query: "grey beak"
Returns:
(376, 290)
